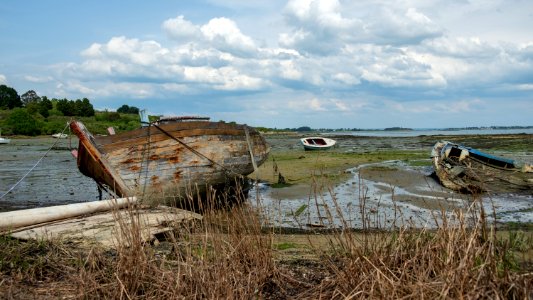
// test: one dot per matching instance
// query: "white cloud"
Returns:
(106, 89)
(331, 57)
(324, 27)
(463, 106)
(36, 79)
(289, 70)
(313, 105)
(462, 47)
(181, 29)
(3, 79)
(525, 87)
(407, 27)
(431, 107)
(347, 78)
(225, 78)
(224, 35)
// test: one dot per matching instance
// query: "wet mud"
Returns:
(392, 193)
(54, 178)
(377, 194)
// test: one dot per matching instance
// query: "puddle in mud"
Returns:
(389, 193)
(383, 195)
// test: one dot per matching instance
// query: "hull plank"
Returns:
(169, 157)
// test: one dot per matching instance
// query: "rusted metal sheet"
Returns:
(170, 157)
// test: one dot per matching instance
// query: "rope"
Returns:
(30, 170)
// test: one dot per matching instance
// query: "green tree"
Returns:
(21, 122)
(304, 128)
(45, 102)
(125, 109)
(45, 106)
(9, 98)
(32, 107)
(66, 107)
(29, 97)
(86, 109)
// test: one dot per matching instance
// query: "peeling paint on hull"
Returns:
(169, 158)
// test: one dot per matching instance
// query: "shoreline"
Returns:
(57, 180)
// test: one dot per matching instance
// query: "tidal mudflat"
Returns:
(380, 182)
(54, 180)
(387, 177)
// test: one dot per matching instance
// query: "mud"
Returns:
(390, 193)
(54, 180)
(379, 193)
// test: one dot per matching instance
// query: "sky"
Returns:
(280, 64)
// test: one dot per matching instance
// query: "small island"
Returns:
(397, 129)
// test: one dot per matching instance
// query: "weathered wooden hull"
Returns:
(470, 171)
(170, 159)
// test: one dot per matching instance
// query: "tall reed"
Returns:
(229, 255)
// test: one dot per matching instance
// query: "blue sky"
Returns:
(318, 63)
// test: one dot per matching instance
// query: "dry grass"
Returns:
(228, 255)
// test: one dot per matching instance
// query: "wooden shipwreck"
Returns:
(469, 170)
(170, 157)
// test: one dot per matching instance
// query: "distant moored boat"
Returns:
(317, 143)
(4, 140)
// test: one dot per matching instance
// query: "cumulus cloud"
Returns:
(323, 105)
(37, 79)
(323, 27)
(180, 29)
(405, 28)
(224, 35)
(226, 78)
(3, 79)
(333, 55)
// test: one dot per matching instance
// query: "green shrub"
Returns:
(21, 122)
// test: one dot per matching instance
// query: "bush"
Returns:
(21, 122)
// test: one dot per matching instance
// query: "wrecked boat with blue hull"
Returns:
(469, 170)
(170, 159)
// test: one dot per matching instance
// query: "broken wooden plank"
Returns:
(110, 229)
(28, 217)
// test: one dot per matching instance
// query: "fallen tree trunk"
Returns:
(33, 216)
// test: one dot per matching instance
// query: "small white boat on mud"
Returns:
(4, 140)
(317, 143)
(60, 135)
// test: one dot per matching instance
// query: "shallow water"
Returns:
(365, 203)
(434, 132)
(377, 202)
(54, 180)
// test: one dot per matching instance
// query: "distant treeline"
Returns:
(30, 114)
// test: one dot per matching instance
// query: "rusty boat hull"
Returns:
(170, 159)
(468, 170)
